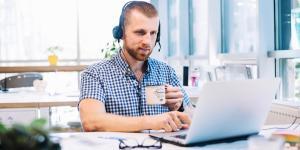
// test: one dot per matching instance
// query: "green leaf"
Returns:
(298, 65)
(38, 123)
(110, 49)
(106, 55)
(21, 136)
(3, 129)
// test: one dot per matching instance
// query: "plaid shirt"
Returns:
(113, 83)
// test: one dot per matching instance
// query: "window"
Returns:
(240, 33)
(81, 27)
(287, 47)
(184, 36)
(199, 28)
(96, 21)
(240, 22)
(28, 27)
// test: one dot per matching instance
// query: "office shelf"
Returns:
(20, 69)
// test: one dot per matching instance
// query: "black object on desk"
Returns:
(20, 80)
(185, 76)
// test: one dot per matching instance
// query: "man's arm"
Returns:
(94, 118)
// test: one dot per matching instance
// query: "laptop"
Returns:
(226, 111)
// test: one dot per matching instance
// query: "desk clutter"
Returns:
(291, 137)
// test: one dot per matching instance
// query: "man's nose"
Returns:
(147, 39)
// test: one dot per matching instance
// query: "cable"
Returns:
(296, 127)
(296, 118)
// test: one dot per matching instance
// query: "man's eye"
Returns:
(153, 33)
(140, 32)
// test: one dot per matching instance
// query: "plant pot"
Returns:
(52, 59)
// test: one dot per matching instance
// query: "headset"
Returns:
(118, 30)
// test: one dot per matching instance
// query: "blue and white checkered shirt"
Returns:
(113, 83)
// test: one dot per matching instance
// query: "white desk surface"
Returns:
(36, 100)
(96, 140)
(100, 140)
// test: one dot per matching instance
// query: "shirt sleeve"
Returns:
(91, 86)
(174, 81)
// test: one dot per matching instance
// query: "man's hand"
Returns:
(174, 97)
(170, 121)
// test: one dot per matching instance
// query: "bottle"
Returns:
(195, 77)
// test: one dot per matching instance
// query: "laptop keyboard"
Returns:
(181, 136)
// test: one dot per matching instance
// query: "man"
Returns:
(112, 96)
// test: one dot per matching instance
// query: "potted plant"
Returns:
(110, 49)
(33, 137)
(52, 57)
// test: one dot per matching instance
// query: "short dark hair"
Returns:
(144, 7)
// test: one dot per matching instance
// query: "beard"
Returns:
(138, 53)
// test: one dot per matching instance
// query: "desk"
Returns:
(25, 106)
(20, 69)
(36, 100)
(13, 104)
(98, 140)
(95, 140)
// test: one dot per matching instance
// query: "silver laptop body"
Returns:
(227, 110)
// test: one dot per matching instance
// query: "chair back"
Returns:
(20, 80)
(233, 72)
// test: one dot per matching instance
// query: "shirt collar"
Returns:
(122, 64)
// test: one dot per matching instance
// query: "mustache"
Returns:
(145, 47)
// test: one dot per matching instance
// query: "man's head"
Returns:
(138, 28)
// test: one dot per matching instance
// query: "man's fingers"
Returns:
(174, 104)
(176, 120)
(185, 126)
(167, 127)
(174, 101)
(184, 118)
(170, 88)
(174, 94)
(173, 125)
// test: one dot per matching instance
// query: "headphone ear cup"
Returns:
(117, 32)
